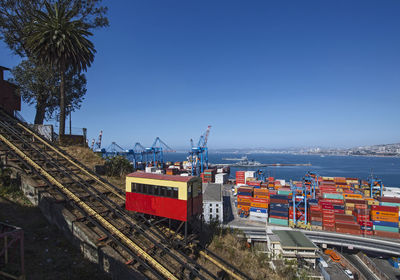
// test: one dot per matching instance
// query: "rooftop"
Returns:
(293, 239)
(212, 192)
(145, 175)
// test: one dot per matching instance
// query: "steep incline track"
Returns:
(100, 204)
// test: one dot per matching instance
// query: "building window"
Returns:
(217, 217)
(210, 217)
(210, 205)
(216, 210)
(210, 210)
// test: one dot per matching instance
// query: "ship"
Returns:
(235, 159)
(245, 162)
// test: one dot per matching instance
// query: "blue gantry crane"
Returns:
(114, 150)
(198, 155)
(376, 186)
(138, 156)
(313, 179)
(156, 151)
(299, 202)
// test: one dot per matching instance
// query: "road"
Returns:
(354, 260)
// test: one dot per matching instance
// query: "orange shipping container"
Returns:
(259, 205)
(384, 219)
(385, 213)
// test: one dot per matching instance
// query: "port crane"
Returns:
(98, 143)
(300, 200)
(312, 179)
(138, 155)
(198, 155)
(156, 150)
(114, 150)
(376, 186)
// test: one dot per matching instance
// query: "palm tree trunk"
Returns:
(40, 111)
(62, 100)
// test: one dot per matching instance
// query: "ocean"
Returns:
(385, 168)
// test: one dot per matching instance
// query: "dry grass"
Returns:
(84, 155)
(90, 159)
(234, 250)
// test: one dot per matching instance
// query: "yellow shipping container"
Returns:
(348, 212)
(349, 204)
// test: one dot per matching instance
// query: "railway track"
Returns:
(93, 200)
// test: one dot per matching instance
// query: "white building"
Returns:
(291, 244)
(212, 203)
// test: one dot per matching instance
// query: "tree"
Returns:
(56, 39)
(39, 85)
(16, 14)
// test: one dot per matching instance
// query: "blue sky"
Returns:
(262, 73)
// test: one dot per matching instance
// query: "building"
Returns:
(10, 101)
(212, 203)
(290, 245)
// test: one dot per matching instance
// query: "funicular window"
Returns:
(174, 192)
(155, 190)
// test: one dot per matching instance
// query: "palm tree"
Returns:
(56, 39)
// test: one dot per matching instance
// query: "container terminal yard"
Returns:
(334, 224)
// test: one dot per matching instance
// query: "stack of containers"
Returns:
(299, 213)
(249, 175)
(254, 183)
(328, 216)
(315, 216)
(385, 220)
(240, 178)
(363, 219)
(244, 197)
(209, 176)
(258, 208)
(389, 201)
(346, 224)
(279, 209)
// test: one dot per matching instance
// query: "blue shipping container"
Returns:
(385, 224)
(258, 210)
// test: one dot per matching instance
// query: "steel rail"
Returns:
(120, 214)
(215, 259)
(93, 213)
(135, 256)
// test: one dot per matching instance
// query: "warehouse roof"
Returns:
(145, 175)
(292, 239)
(212, 192)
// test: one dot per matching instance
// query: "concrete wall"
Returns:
(76, 232)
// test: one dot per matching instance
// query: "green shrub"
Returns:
(118, 166)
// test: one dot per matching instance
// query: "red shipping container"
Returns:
(386, 234)
(389, 199)
(366, 223)
(385, 208)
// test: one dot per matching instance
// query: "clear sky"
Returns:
(262, 73)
